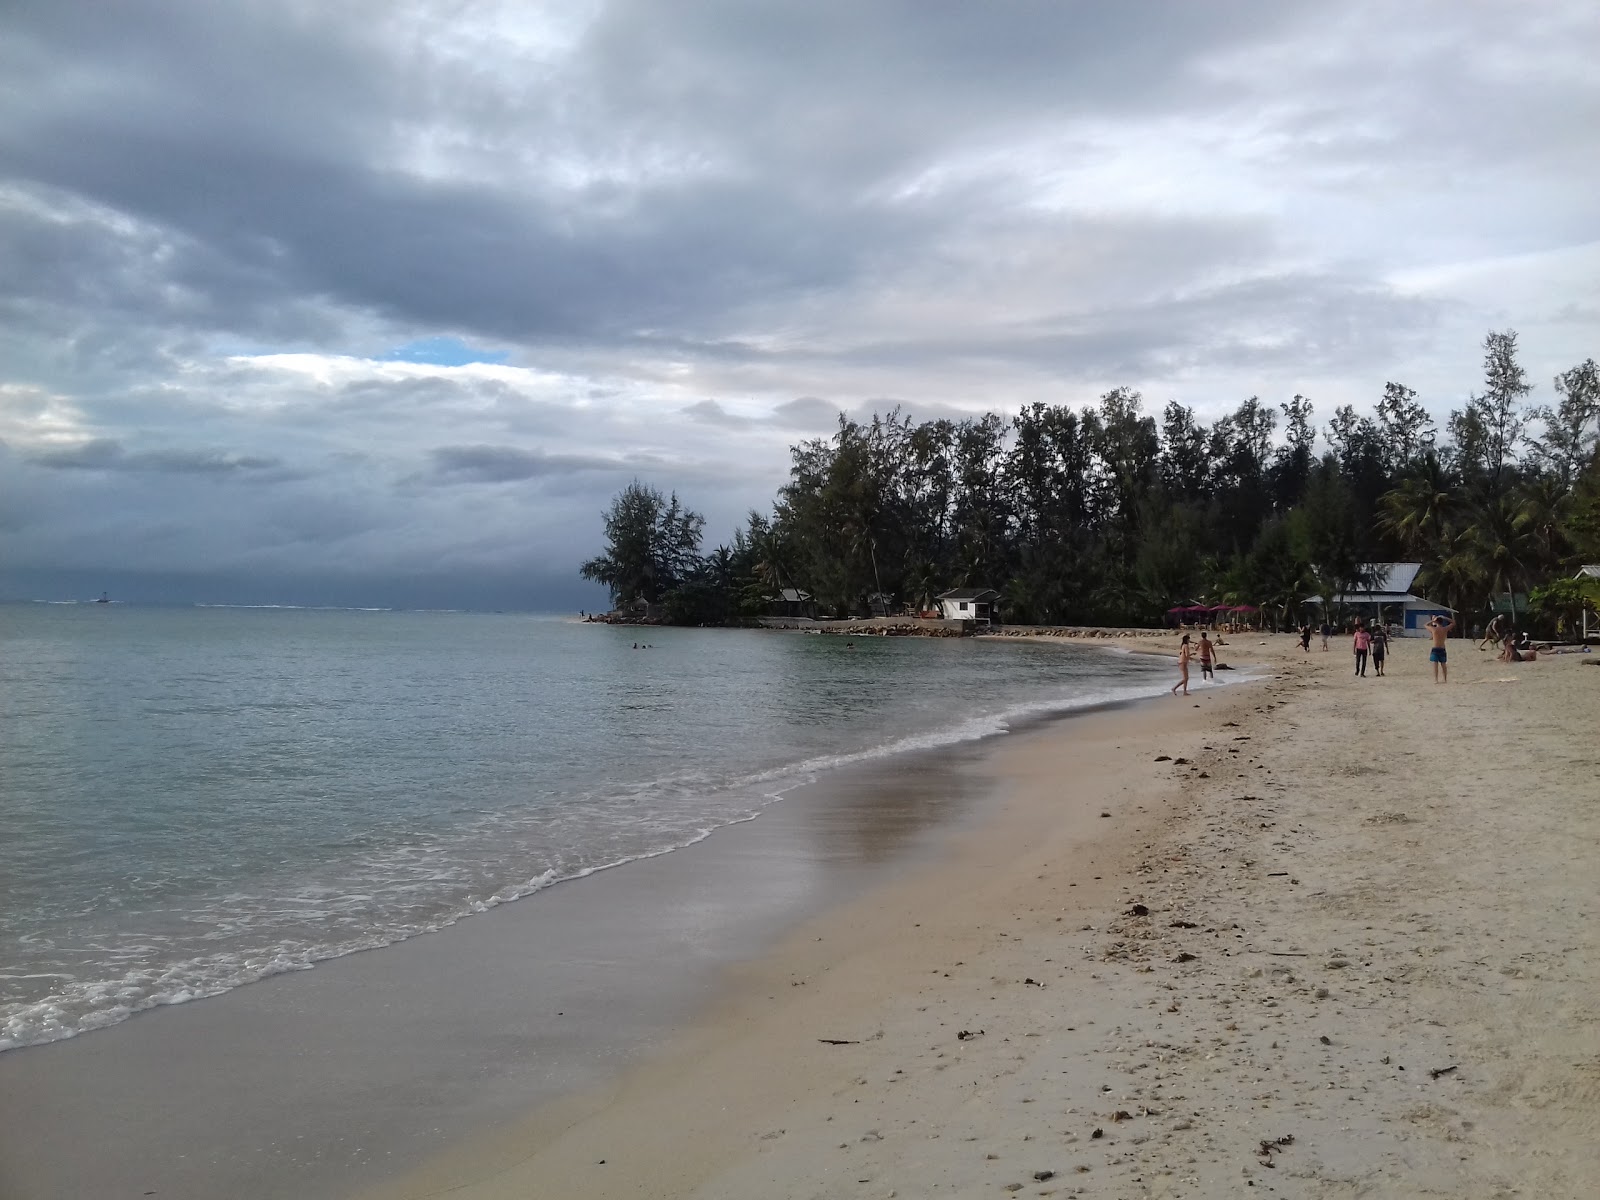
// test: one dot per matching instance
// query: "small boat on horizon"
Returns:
(105, 598)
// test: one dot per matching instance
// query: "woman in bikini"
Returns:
(1184, 651)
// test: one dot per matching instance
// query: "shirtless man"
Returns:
(1206, 652)
(1440, 628)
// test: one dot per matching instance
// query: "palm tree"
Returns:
(1502, 547)
(1418, 512)
(1543, 503)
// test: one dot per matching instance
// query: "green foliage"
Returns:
(1105, 515)
(1561, 603)
(652, 545)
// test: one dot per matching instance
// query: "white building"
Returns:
(971, 604)
(1389, 598)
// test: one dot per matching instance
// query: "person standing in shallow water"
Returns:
(1184, 653)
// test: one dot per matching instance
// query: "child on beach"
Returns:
(1305, 638)
(1183, 667)
(1380, 647)
(1363, 643)
(1206, 651)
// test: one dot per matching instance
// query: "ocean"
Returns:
(196, 798)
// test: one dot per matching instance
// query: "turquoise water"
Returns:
(197, 798)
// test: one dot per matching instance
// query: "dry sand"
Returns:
(1340, 941)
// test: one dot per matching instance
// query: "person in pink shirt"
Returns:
(1363, 644)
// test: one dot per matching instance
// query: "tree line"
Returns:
(1109, 515)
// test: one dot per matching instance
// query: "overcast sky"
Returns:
(381, 302)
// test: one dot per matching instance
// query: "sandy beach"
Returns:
(1319, 936)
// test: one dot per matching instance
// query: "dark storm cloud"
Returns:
(263, 149)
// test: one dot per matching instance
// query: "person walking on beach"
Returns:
(1327, 632)
(1440, 628)
(1183, 667)
(1305, 638)
(1380, 647)
(1206, 652)
(1363, 643)
(1496, 632)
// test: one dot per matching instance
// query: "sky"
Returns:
(381, 302)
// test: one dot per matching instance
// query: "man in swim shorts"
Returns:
(1207, 650)
(1440, 628)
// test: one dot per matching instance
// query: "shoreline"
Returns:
(228, 1076)
(717, 1071)
(1260, 969)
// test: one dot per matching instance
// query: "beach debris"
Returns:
(1186, 957)
(1185, 925)
(1180, 762)
(1438, 1071)
(1122, 1114)
(1273, 1146)
(1105, 814)
(1042, 1176)
(1325, 1040)
(1139, 910)
(1098, 1133)
(840, 1041)
(1205, 774)
(1230, 724)
(966, 1035)
(1270, 874)
(1163, 758)
(1032, 982)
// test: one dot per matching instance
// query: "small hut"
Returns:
(791, 602)
(977, 604)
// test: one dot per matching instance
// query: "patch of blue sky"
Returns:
(443, 352)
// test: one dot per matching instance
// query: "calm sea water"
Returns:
(192, 799)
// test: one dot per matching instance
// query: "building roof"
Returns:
(1592, 570)
(970, 593)
(1391, 577)
(1382, 598)
(792, 596)
(1391, 584)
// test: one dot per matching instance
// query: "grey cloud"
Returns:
(504, 464)
(684, 213)
(108, 454)
(805, 412)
